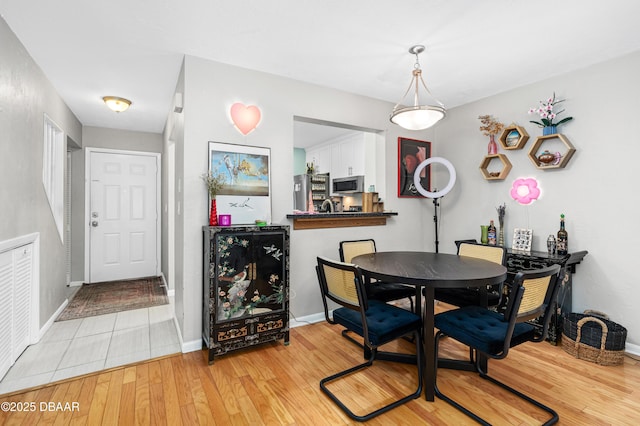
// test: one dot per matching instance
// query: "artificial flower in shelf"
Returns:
(547, 113)
(490, 126)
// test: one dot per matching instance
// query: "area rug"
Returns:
(115, 296)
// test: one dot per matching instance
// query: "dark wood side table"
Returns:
(519, 261)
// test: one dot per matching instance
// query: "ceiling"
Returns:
(475, 49)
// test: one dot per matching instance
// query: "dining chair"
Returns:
(472, 296)
(484, 331)
(376, 290)
(376, 322)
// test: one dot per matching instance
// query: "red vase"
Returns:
(493, 146)
(213, 214)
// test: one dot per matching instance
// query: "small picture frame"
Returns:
(522, 239)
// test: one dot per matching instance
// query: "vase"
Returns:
(549, 130)
(484, 234)
(213, 214)
(492, 149)
(501, 237)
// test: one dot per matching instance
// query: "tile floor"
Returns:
(75, 347)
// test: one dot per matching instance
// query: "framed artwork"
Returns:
(246, 193)
(522, 239)
(411, 153)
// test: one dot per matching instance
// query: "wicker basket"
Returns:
(592, 337)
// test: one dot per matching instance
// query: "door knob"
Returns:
(94, 223)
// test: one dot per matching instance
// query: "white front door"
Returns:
(124, 215)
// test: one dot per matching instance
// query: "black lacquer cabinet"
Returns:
(246, 287)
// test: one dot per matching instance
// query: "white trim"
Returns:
(53, 170)
(192, 346)
(76, 283)
(67, 216)
(87, 202)
(52, 319)
(170, 292)
(306, 320)
(632, 349)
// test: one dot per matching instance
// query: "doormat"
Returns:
(115, 296)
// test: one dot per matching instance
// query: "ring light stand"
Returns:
(436, 195)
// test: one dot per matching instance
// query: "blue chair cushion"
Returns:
(384, 322)
(482, 329)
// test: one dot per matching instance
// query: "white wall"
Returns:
(25, 96)
(210, 89)
(596, 191)
(593, 191)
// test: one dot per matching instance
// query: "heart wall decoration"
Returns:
(245, 118)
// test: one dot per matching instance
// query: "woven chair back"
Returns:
(533, 299)
(341, 285)
(351, 249)
(491, 253)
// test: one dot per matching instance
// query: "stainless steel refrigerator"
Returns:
(314, 186)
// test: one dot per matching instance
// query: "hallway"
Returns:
(75, 347)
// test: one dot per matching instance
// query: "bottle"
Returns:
(492, 234)
(562, 243)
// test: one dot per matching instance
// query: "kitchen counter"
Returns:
(338, 219)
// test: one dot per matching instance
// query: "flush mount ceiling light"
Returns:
(417, 117)
(117, 104)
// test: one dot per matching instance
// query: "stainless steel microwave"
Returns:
(348, 185)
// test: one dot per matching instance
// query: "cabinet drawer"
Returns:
(276, 321)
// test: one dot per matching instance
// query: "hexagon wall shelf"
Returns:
(504, 171)
(536, 150)
(513, 137)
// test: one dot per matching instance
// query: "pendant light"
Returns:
(417, 117)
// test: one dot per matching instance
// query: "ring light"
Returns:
(446, 189)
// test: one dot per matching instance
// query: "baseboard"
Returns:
(51, 320)
(305, 320)
(192, 346)
(170, 291)
(632, 350)
(76, 283)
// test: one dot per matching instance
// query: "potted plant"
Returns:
(547, 115)
(214, 184)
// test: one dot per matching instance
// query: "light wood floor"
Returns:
(275, 384)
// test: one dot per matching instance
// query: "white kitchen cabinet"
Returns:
(347, 158)
(320, 157)
(353, 155)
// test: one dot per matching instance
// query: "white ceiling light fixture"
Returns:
(117, 104)
(417, 117)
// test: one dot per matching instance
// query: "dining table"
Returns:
(428, 271)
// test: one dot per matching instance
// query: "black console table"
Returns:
(518, 261)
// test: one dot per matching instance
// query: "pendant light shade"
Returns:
(417, 117)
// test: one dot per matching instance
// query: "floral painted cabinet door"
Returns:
(246, 287)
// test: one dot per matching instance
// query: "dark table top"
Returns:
(430, 269)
